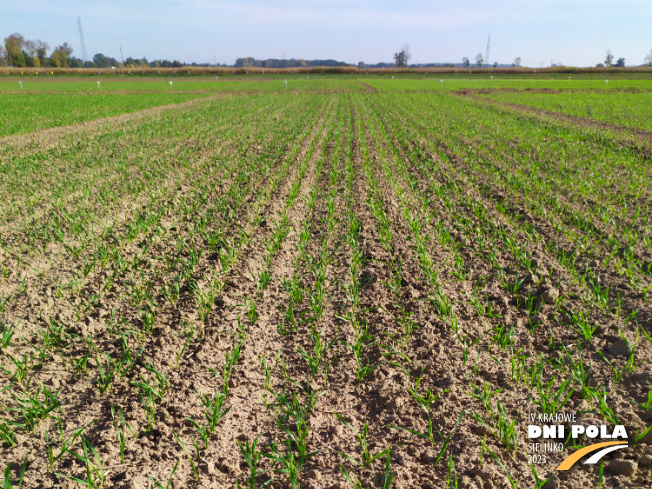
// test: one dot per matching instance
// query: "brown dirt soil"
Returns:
(550, 228)
(178, 302)
(368, 88)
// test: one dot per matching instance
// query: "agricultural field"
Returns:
(30, 104)
(617, 107)
(354, 281)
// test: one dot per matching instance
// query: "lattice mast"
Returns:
(486, 56)
(81, 38)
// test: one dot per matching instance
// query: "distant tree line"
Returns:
(20, 52)
(620, 63)
(285, 63)
(24, 53)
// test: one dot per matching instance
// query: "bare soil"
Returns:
(272, 366)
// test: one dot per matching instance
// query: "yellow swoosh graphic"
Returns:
(570, 461)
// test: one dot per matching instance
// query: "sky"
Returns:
(570, 32)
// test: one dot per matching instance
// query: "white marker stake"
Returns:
(170, 84)
(21, 84)
(286, 84)
(492, 77)
(98, 85)
(392, 77)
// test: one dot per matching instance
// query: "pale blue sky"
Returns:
(575, 32)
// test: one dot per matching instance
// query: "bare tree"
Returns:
(465, 62)
(408, 55)
(41, 48)
(517, 62)
(609, 58)
(67, 48)
(479, 60)
(41, 51)
(648, 58)
(403, 56)
(30, 47)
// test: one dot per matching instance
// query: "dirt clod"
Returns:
(622, 467)
(552, 483)
(620, 348)
(645, 461)
(549, 294)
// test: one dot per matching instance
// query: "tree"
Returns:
(61, 56)
(609, 58)
(403, 56)
(244, 62)
(100, 61)
(361, 65)
(41, 50)
(14, 47)
(495, 64)
(66, 49)
(29, 61)
(18, 60)
(517, 62)
(465, 62)
(30, 48)
(479, 60)
(620, 63)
